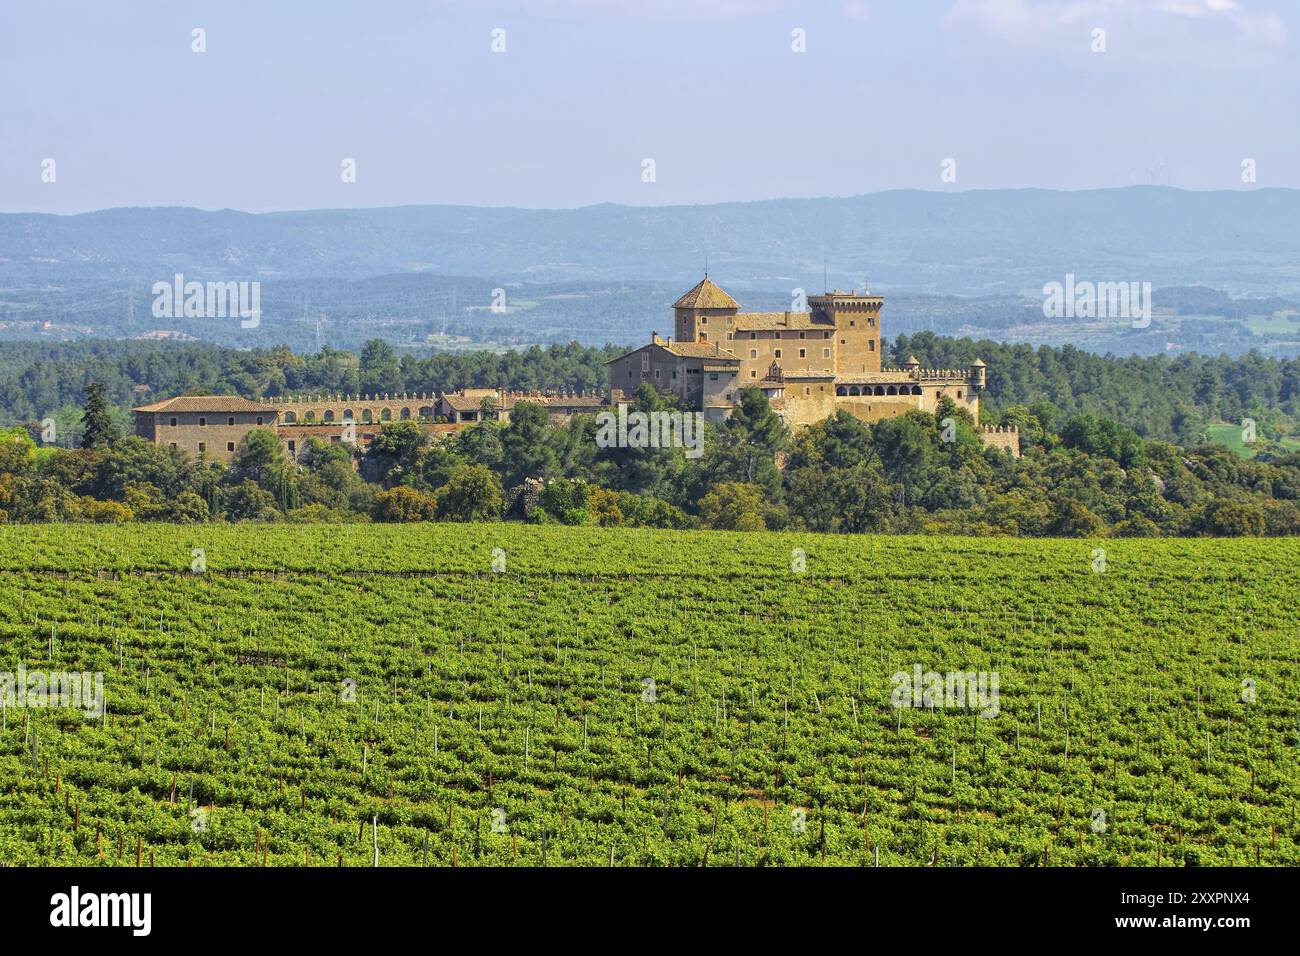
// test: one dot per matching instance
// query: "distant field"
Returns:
(1230, 437)
(516, 695)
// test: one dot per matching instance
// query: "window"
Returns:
(753, 335)
(728, 320)
(777, 353)
(826, 353)
(853, 323)
(293, 446)
(807, 390)
(645, 361)
(173, 444)
(826, 335)
(203, 446)
(842, 342)
(230, 446)
(753, 373)
(753, 353)
(203, 421)
(290, 418)
(656, 374)
(704, 336)
(386, 415)
(871, 345)
(704, 320)
(802, 335)
(173, 423)
(674, 373)
(230, 420)
(329, 415)
(959, 393)
(803, 353)
(259, 419)
(713, 377)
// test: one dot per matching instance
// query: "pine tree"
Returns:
(99, 429)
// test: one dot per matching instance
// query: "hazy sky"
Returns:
(585, 90)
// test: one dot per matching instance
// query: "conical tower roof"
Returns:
(706, 294)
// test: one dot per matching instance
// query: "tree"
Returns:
(472, 493)
(404, 503)
(396, 450)
(381, 372)
(98, 428)
(733, 506)
(1072, 519)
(526, 445)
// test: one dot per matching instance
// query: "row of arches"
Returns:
(367, 415)
(878, 390)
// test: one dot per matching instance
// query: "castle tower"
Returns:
(857, 328)
(704, 314)
(978, 373)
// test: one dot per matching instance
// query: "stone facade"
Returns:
(203, 426)
(212, 426)
(809, 364)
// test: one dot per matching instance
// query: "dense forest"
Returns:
(1081, 474)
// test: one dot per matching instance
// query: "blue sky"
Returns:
(711, 90)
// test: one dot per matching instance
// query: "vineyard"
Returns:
(509, 695)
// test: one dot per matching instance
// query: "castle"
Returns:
(809, 364)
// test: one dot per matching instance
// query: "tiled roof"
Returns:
(706, 295)
(709, 350)
(207, 403)
(758, 321)
(469, 403)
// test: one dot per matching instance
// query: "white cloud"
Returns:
(1165, 30)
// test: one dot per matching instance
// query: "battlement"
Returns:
(1004, 437)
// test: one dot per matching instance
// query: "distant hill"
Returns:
(961, 243)
(1226, 267)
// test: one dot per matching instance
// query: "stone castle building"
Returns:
(212, 426)
(809, 364)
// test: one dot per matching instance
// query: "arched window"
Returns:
(386, 415)
(406, 413)
(916, 390)
(841, 390)
(892, 390)
(367, 415)
(290, 418)
(309, 417)
(349, 415)
(880, 390)
(329, 414)
(426, 411)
